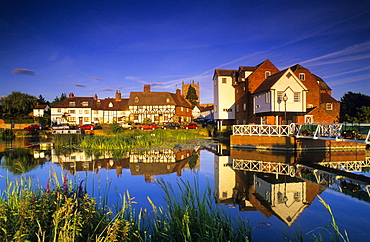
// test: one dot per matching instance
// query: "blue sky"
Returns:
(92, 47)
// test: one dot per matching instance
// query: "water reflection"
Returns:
(285, 184)
(276, 184)
(147, 163)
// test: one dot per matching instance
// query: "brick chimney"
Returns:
(95, 96)
(178, 92)
(147, 88)
(71, 94)
(118, 96)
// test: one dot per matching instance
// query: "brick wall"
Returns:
(289, 143)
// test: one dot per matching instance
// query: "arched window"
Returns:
(267, 74)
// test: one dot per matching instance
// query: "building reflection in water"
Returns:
(147, 163)
(285, 184)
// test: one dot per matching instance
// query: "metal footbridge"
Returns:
(349, 132)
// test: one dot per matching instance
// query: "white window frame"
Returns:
(267, 97)
(267, 74)
(329, 106)
(297, 97)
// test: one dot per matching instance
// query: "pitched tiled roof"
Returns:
(78, 102)
(42, 106)
(297, 67)
(223, 72)
(321, 83)
(269, 82)
(207, 108)
(326, 98)
(247, 68)
(157, 98)
(103, 104)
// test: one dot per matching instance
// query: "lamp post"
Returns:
(285, 98)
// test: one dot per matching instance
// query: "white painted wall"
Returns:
(287, 85)
(224, 98)
(224, 177)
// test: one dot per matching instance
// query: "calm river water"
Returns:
(277, 192)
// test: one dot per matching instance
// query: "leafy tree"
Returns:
(354, 108)
(192, 96)
(58, 99)
(17, 104)
(42, 100)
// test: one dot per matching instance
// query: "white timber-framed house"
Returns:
(159, 107)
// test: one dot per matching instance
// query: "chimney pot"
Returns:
(118, 95)
(146, 88)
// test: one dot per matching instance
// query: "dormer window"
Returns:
(85, 104)
(167, 100)
(301, 76)
(136, 99)
(72, 104)
(110, 105)
(267, 74)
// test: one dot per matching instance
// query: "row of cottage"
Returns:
(260, 94)
(159, 107)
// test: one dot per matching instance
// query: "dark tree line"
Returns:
(355, 108)
(19, 104)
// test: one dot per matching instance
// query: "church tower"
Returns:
(185, 88)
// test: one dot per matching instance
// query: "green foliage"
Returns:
(64, 211)
(139, 139)
(19, 121)
(115, 128)
(192, 96)
(17, 104)
(7, 134)
(58, 99)
(18, 161)
(42, 100)
(191, 215)
(147, 121)
(355, 108)
(61, 212)
(44, 121)
(67, 140)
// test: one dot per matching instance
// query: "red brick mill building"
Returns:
(263, 94)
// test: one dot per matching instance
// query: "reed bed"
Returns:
(64, 211)
(139, 139)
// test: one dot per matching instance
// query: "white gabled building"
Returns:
(280, 93)
(224, 96)
(40, 109)
(73, 110)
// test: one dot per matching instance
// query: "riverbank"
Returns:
(64, 211)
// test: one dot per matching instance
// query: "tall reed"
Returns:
(139, 139)
(190, 215)
(63, 211)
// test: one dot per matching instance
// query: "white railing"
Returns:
(265, 166)
(269, 130)
(334, 131)
(349, 166)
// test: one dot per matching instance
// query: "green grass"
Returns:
(140, 139)
(64, 211)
